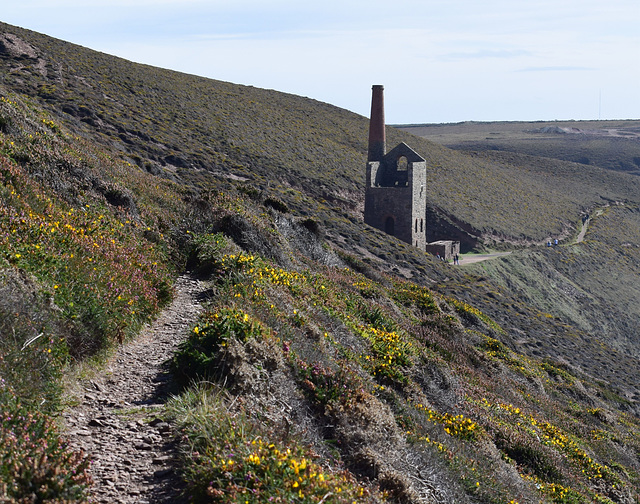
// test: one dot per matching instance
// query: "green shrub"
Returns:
(472, 315)
(229, 459)
(390, 354)
(555, 371)
(207, 250)
(276, 204)
(313, 226)
(5, 123)
(199, 356)
(533, 459)
(375, 317)
(420, 297)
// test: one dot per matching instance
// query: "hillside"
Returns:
(608, 144)
(331, 361)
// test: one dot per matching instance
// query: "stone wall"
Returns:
(395, 200)
(441, 226)
(446, 249)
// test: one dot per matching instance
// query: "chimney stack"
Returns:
(377, 137)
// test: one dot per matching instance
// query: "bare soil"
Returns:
(118, 420)
(470, 259)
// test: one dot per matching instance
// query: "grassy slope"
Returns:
(409, 388)
(91, 167)
(166, 120)
(592, 286)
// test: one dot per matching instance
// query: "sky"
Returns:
(440, 61)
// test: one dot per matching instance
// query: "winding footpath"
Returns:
(474, 258)
(117, 421)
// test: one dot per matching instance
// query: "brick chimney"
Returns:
(377, 137)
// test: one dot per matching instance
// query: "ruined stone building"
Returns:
(395, 197)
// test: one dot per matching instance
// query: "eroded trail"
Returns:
(117, 422)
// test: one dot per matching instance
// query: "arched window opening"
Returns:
(389, 226)
(416, 226)
(421, 225)
(402, 172)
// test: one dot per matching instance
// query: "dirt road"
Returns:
(470, 259)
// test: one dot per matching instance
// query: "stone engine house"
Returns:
(395, 197)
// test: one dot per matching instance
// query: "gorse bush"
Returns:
(390, 354)
(454, 425)
(376, 318)
(471, 314)
(199, 356)
(411, 294)
(230, 459)
(207, 252)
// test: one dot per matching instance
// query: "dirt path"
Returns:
(480, 257)
(583, 231)
(117, 421)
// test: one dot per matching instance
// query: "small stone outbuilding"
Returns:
(446, 249)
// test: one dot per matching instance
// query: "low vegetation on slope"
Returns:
(321, 380)
(328, 374)
(298, 371)
(82, 266)
(312, 154)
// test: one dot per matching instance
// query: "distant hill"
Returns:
(614, 145)
(510, 380)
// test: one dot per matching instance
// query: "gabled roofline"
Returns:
(402, 149)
